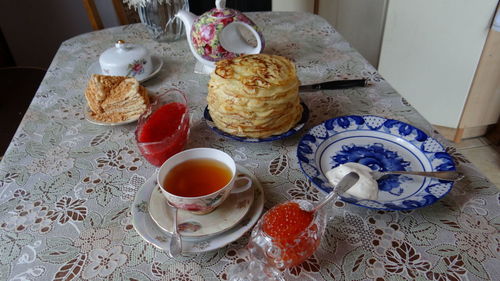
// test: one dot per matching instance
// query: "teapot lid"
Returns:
(220, 10)
(220, 4)
(221, 13)
(123, 54)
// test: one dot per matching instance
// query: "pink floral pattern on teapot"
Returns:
(205, 31)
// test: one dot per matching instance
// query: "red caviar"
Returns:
(285, 221)
(288, 224)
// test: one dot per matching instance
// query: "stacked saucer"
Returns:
(152, 218)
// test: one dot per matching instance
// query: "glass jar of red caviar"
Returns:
(285, 236)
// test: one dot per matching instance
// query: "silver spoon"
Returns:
(444, 175)
(175, 241)
(345, 183)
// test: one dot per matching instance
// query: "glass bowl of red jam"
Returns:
(284, 237)
(163, 129)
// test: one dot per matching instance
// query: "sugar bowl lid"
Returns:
(123, 54)
(125, 59)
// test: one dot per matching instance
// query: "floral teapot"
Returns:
(215, 35)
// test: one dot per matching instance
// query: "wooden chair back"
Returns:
(95, 19)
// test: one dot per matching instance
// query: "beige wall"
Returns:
(35, 29)
(293, 5)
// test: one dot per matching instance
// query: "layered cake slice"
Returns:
(116, 99)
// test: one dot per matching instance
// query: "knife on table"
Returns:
(332, 85)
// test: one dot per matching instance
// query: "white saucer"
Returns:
(149, 231)
(95, 68)
(88, 117)
(227, 215)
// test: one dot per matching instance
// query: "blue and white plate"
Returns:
(384, 145)
(292, 131)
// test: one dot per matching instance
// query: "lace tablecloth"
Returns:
(66, 185)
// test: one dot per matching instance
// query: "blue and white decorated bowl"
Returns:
(381, 144)
(292, 131)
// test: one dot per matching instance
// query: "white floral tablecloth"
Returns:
(66, 186)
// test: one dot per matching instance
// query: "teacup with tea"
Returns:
(200, 179)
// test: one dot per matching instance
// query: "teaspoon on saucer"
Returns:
(175, 241)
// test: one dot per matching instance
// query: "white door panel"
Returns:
(430, 51)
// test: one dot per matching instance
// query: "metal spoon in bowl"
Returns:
(175, 241)
(345, 183)
(443, 175)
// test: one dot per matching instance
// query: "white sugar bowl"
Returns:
(126, 59)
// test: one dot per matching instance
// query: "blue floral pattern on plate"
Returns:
(378, 158)
(381, 144)
(292, 131)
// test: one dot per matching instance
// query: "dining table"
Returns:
(67, 186)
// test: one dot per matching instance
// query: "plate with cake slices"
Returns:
(90, 118)
(114, 100)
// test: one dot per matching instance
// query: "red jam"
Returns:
(161, 135)
(286, 224)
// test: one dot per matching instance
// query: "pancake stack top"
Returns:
(254, 96)
(115, 98)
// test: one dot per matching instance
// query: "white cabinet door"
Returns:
(430, 51)
(361, 23)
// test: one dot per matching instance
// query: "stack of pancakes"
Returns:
(115, 98)
(254, 96)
